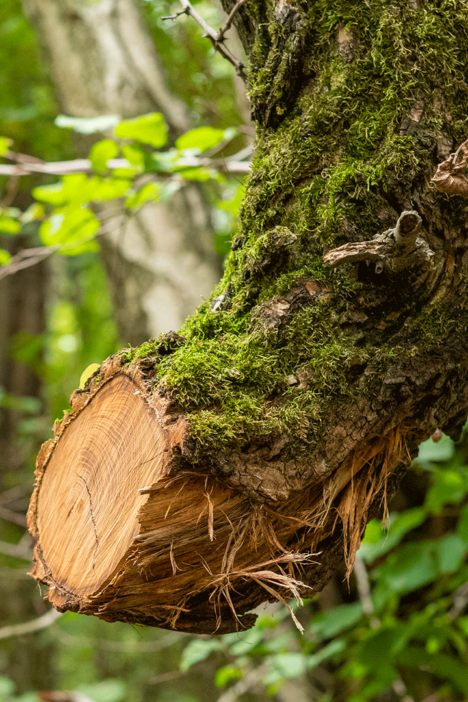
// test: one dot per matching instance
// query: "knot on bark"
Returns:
(392, 251)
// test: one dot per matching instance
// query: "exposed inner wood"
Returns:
(124, 534)
(89, 500)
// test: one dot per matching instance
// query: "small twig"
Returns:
(229, 20)
(363, 586)
(175, 15)
(11, 516)
(30, 257)
(13, 494)
(216, 38)
(15, 551)
(11, 190)
(167, 640)
(460, 601)
(43, 622)
(26, 259)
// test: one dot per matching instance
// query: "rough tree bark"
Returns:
(240, 460)
(103, 61)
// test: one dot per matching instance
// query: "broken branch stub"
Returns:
(450, 177)
(392, 251)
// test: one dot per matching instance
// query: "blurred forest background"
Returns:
(91, 262)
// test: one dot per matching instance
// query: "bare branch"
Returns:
(230, 18)
(15, 551)
(459, 600)
(167, 640)
(14, 494)
(11, 516)
(7, 632)
(363, 586)
(216, 38)
(25, 259)
(30, 257)
(83, 165)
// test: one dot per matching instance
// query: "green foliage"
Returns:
(415, 635)
(68, 221)
(87, 125)
(204, 138)
(147, 129)
(7, 692)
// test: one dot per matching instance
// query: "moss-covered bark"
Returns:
(296, 375)
(356, 103)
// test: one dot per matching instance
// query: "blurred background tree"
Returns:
(399, 630)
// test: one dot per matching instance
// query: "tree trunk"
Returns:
(248, 454)
(22, 312)
(103, 61)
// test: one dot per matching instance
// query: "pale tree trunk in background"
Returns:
(103, 61)
(22, 296)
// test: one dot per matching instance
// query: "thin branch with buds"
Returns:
(217, 39)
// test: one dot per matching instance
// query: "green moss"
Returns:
(337, 158)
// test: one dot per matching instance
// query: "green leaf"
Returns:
(462, 528)
(328, 651)
(449, 486)
(102, 152)
(225, 674)
(151, 192)
(79, 189)
(5, 144)
(7, 686)
(72, 228)
(199, 173)
(412, 566)
(233, 205)
(34, 212)
(164, 160)
(111, 690)
(5, 257)
(87, 373)
(148, 129)
(196, 651)
(52, 194)
(379, 647)
(135, 156)
(378, 542)
(87, 125)
(451, 551)
(8, 225)
(328, 624)
(202, 138)
(290, 665)
(443, 666)
(436, 451)
(246, 643)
